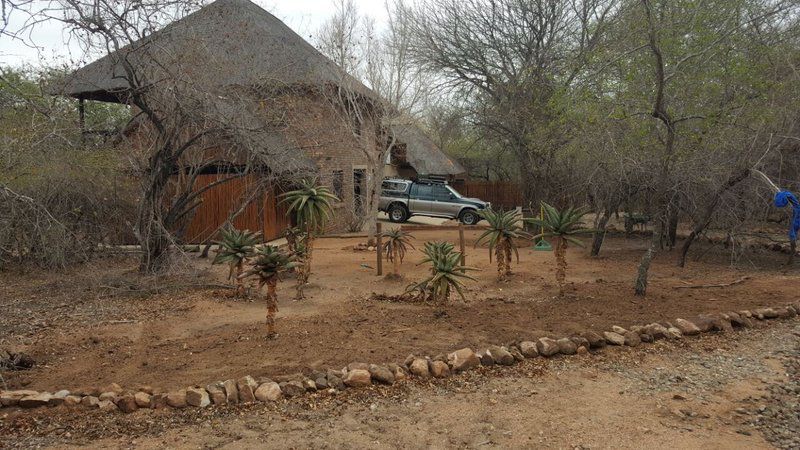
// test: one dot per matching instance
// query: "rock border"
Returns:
(356, 375)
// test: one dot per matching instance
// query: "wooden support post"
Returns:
(82, 120)
(462, 244)
(378, 247)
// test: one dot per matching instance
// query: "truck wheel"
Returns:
(469, 217)
(398, 213)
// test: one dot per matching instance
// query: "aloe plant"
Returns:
(234, 248)
(396, 246)
(269, 264)
(311, 205)
(447, 273)
(503, 229)
(563, 226)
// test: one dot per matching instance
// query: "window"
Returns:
(424, 191)
(337, 183)
(441, 193)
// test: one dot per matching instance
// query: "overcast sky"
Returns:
(303, 16)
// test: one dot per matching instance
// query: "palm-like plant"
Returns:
(269, 264)
(563, 226)
(311, 205)
(234, 248)
(503, 229)
(396, 247)
(447, 273)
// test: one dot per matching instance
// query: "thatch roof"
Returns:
(228, 42)
(423, 154)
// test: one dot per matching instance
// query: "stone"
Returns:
(335, 382)
(656, 330)
(595, 340)
(674, 333)
(766, 313)
(582, 350)
(107, 406)
(231, 392)
(463, 359)
(619, 330)
(686, 327)
(381, 374)
(419, 367)
(566, 346)
(440, 357)
(177, 399)
(127, 403)
(35, 401)
(614, 338)
(518, 356)
(269, 392)
(501, 356)
(632, 338)
(409, 359)
(440, 369)
(785, 313)
(400, 372)
(646, 337)
(159, 401)
(72, 401)
(142, 399)
(217, 393)
(357, 365)
(546, 346)
(113, 387)
(110, 396)
(486, 358)
(246, 385)
(636, 329)
(321, 382)
(294, 388)
(147, 389)
(309, 384)
(357, 378)
(746, 313)
(11, 398)
(90, 401)
(528, 349)
(580, 341)
(197, 397)
(58, 398)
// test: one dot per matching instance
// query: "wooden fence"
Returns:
(263, 213)
(502, 194)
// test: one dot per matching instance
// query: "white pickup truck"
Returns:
(401, 199)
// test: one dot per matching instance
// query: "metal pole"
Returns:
(462, 245)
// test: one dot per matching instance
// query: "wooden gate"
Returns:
(502, 194)
(262, 213)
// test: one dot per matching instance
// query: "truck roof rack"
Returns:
(432, 180)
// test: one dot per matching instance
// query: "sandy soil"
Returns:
(100, 323)
(687, 394)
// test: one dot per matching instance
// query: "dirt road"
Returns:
(711, 392)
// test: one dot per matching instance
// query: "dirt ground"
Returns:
(709, 392)
(100, 323)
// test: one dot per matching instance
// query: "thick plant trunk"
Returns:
(396, 261)
(599, 236)
(500, 256)
(508, 258)
(672, 228)
(640, 285)
(561, 264)
(154, 239)
(272, 307)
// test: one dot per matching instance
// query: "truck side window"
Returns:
(424, 191)
(441, 193)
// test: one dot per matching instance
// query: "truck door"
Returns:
(419, 202)
(443, 203)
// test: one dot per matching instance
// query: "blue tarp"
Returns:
(786, 198)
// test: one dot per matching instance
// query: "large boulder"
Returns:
(177, 399)
(357, 378)
(217, 393)
(294, 388)
(566, 346)
(656, 330)
(381, 374)
(501, 356)
(35, 401)
(440, 369)
(632, 338)
(127, 403)
(485, 357)
(546, 346)
(268, 392)
(686, 327)
(419, 367)
(528, 349)
(463, 359)
(231, 392)
(197, 397)
(614, 338)
(142, 399)
(246, 386)
(12, 398)
(580, 341)
(595, 339)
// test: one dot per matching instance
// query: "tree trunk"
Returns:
(500, 256)
(672, 228)
(272, 306)
(561, 263)
(508, 258)
(600, 235)
(154, 239)
(396, 260)
(640, 286)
